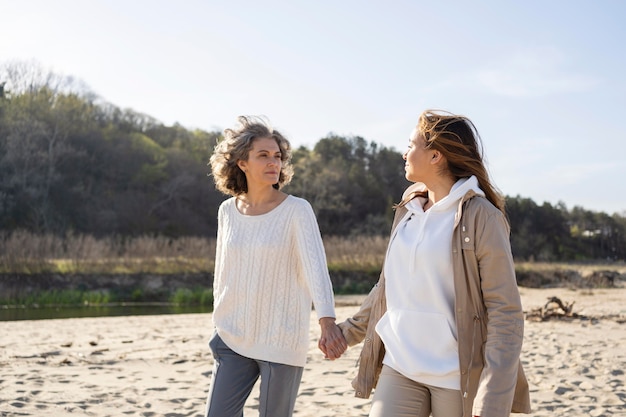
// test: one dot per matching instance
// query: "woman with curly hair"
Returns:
(270, 268)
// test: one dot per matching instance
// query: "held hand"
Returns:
(332, 342)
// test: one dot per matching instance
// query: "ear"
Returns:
(242, 165)
(436, 157)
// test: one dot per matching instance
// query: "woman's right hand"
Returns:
(332, 342)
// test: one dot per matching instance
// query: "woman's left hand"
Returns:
(332, 342)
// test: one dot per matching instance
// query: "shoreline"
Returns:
(161, 365)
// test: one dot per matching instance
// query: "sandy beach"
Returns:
(161, 365)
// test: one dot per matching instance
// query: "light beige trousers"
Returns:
(399, 396)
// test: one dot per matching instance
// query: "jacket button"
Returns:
(367, 340)
(467, 239)
(358, 393)
(463, 372)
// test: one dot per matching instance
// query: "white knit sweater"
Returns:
(269, 269)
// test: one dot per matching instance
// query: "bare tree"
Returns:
(20, 77)
(45, 108)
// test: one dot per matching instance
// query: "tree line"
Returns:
(72, 163)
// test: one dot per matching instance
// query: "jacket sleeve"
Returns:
(355, 327)
(504, 316)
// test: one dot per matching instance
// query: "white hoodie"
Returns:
(419, 329)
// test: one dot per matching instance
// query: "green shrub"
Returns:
(197, 296)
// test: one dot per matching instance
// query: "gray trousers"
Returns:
(399, 396)
(234, 377)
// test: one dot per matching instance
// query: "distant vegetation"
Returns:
(85, 185)
(44, 270)
(29, 253)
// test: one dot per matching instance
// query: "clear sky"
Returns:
(544, 81)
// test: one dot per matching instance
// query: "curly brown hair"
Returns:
(236, 145)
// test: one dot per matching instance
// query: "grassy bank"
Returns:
(82, 270)
(195, 289)
(86, 298)
(27, 253)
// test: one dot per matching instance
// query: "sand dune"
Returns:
(161, 365)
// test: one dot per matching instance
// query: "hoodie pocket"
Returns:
(419, 343)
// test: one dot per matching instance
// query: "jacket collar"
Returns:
(466, 197)
(415, 189)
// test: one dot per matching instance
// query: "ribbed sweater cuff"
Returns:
(325, 310)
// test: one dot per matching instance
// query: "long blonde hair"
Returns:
(457, 138)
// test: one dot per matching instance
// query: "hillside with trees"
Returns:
(71, 163)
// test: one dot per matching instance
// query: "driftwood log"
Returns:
(554, 309)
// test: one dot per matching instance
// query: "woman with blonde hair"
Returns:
(270, 268)
(443, 327)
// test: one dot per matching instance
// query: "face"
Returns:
(419, 160)
(264, 164)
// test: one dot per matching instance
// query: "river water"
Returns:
(47, 313)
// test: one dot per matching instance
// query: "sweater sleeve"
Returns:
(505, 318)
(312, 257)
(219, 246)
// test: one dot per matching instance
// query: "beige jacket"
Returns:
(489, 316)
